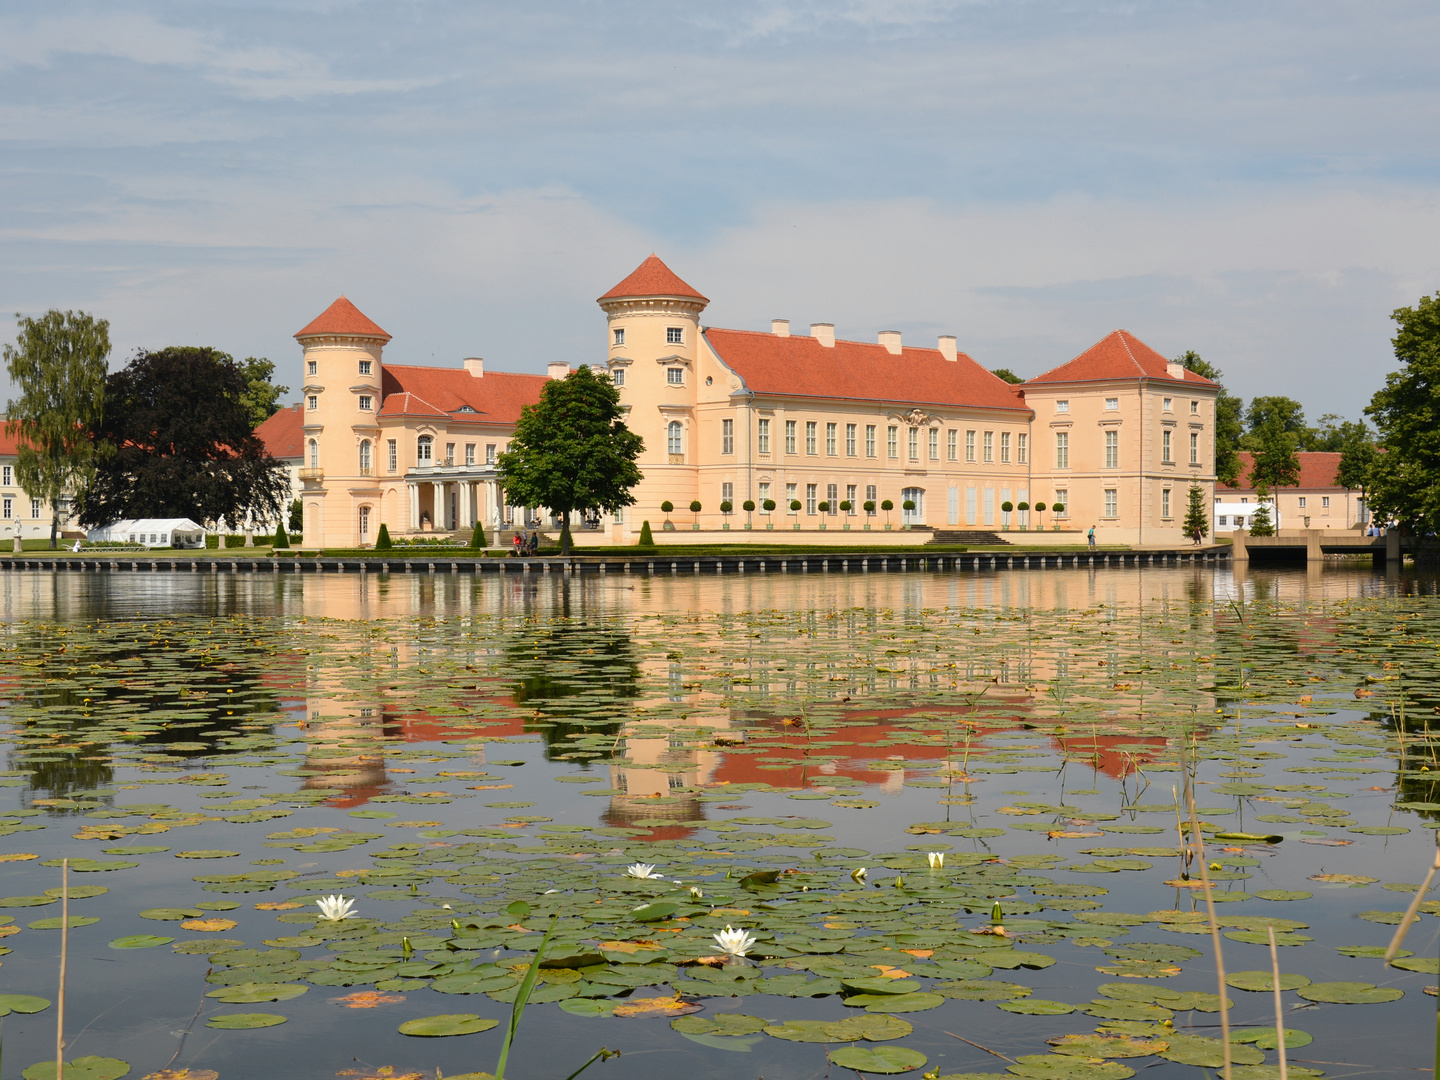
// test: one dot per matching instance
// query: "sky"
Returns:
(1257, 181)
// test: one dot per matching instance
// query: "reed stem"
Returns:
(1279, 1009)
(1198, 839)
(64, 951)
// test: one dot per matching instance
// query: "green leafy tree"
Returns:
(1268, 417)
(297, 516)
(1197, 517)
(1261, 523)
(1276, 464)
(1008, 375)
(1334, 434)
(1229, 417)
(176, 441)
(261, 397)
(1357, 466)
(58, 367)
(571, 451)
(1405, 479)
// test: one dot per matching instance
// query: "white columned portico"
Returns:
(414, 490)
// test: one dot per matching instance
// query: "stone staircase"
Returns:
(965, 536)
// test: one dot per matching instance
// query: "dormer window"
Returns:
(465, 408)
(675, 376)
(365, 367)
(619, 335)
(1062, 406)
(311, 367)
(674, 335)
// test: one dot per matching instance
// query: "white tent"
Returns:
(151, 533)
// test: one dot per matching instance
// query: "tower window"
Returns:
(619, 335)
(311, 367)
(675, 376)
(365, 367)
(674, 445)
(618, 375)
(365, 402)
(674, 335)
(312, 402)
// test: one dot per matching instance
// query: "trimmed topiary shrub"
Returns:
(646, 539)
(477, 538)
(281, 540)
(382, 539)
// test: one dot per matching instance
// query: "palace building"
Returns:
(1116, 436)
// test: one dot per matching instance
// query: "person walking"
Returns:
(1090, 536)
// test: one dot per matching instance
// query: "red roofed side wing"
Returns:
(857, 371)
(652, 278)
(342, 319)
(497, 398)
(1318, 469)
(281, 433)
(1119, 355)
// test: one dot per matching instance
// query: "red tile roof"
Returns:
(1121, 355)
(1318, 469)
(497, 398)
(281, 433)
(653, 278)
(853, 370)
(9, 444)
(343, 317)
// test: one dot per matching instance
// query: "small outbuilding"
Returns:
(151, 533)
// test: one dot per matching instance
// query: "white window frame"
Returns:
(727, 436)
(1112, 404)
(892, 442)
(392, 451)
(1022, 448)
(675, 376)
(812, 493)
(933, 441)
(869, 440)
(365, 403)
(1005, 448)
(1062, 449)
(812, 437)
(1112, 449)
(832, 437)
(969, 446)
(1112, 502)
(850, 432)
(365, 366)
(619, 332)
(790, 437)
(762, 429)
(674, 335)
(675, 437)
(1062, 405)
(1167, 449)
(989, 447)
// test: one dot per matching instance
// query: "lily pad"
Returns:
(879, 1059)
(1265, 1038)
(1350, 993)
(22, 1003)
(170, 914)
(1036, 1007)
(1107, 1046)
(140, 941)
(249, 992)
(1264, 980)
(240, 1022)
(1064, 1067)
(1283, 894)
(81, 1068)
(719, 1024)
(447, 1024)
(57, 922)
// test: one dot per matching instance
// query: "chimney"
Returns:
(891, 340)
(780, 327)
(947, 347)
(557, 370)
(475, 365)
(1175, 369)
(823, 332)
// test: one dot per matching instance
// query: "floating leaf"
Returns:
(81, 1068)
(209, 853)
(245, 993)
(1349, 993)
(654, 912)
(1266, 1039)
(1264, 980)
(880, 1059)
(1107, 1046)
(1283, 894)
(1036, 1007)
(367, 999)
(727, 1024)
(140, 941)
(57, 922)
(187, 1074)
(22, 1003)
(242, 1022)
(656, 1006)
(170, 914)
(447, 1024)
(210, 926)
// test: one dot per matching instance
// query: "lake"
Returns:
(948, 810)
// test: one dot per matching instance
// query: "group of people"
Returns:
(527, 542)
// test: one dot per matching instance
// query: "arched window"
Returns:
(673, 438)
(314, 454)
(423, 448)
(364, 462)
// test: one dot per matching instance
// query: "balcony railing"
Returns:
(313, 473)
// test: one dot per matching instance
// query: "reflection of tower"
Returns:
(333, 729)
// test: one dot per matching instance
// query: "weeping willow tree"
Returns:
(58, 366)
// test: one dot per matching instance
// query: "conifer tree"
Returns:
(382, 538)
(1196, 519)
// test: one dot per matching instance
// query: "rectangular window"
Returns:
(1005, 447)
(1168, 404)
(619, 335)
(8, 508)
(449, 453)
(727, 436)
(913, 443)
(7, 475)
(34, 508)
(1062, 450)
(989, 446)
(618, 376)
(934, 444)
(763, 435)
(1022, 448)
(764, 493)
(789, 436)
(674, 335)
(364, 402)
(1112, 449)
(1112, 403)
(832, 496)
(727, 493)
(810, 497)
(1112, 503)
(675, 376)
(312, 402)
(1165, 503)
(1324, 502)
(365, 367)
(849, 440)
(1302, 502)
(490, 453)
(969, 446)
(952, 447)
(469, 453)
(870, 496)
(831, 434)
(892, 441)
(790, 490)
(1165, 450)
(1220, 520)
(1062, 406)
(811, 437)
(311, 367)
(850, 496)
(1194, 407)
(1062, 502)
(392, 455)
(869, 440)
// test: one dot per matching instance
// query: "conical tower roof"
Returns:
(652, 278)
(344, 319)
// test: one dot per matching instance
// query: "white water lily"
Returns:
(937, 859)
(695, 894)
(735, 942)
(643, 871)
(858, 874)
(335, 908)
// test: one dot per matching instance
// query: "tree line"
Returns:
(171, 434)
